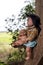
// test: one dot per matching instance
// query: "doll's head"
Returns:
(22, 32)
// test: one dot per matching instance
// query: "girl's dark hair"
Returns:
(36, 21)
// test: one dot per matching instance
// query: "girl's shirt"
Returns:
(32, 33)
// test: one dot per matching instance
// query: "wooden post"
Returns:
(38, 50)
(39, 11)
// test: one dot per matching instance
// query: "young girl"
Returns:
(33, 30)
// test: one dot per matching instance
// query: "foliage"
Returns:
(17, 56)
(25, 11)
(10, 23)
(2, 63)
(15, 35)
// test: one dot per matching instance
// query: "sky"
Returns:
(9, 7)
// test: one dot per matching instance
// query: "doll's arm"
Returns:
(16, 43)
(19, 42)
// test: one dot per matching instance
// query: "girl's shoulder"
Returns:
(35, 29)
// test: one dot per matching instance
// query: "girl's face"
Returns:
(29, 22)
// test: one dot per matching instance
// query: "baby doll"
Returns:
(22, 36)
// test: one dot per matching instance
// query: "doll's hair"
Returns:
(36, 21)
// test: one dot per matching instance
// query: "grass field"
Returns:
(5, 37)
(5, 48)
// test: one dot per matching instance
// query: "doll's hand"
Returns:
(24, 40)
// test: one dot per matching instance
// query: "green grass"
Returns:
(5, 37)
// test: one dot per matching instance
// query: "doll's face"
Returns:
(29, 22)
(22, 32)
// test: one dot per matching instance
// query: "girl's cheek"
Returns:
(29, 23)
